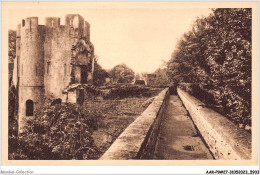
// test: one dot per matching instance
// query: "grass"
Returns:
(113, 117)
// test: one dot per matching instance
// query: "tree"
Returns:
(215, 58)
(122, 74)
(161, 77)
(100, 75)
(12, 45)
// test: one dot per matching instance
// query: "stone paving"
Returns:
(178, 139)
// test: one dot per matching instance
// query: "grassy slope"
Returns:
(113, 116)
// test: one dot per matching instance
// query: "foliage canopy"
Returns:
(214, 57)
(122, 74)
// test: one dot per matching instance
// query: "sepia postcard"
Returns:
(129, 83)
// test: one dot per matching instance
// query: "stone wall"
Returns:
(31, 61)
(33, 93)
(139, 139)
(57, 52)
(224, 138)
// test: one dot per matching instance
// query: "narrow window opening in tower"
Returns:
(29, 108)
(23, 22)
(36, 73)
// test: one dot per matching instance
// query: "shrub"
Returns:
(58, 132)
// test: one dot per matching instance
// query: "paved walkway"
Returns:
(178, 138)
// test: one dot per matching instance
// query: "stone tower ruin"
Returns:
(49, 59)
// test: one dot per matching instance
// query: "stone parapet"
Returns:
(139, 138)
(225, 140)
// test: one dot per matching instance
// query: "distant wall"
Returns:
(224, 138)
(139, 139)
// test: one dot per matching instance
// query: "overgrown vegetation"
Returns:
(214, 60)
(11, 45)
(12, 111)
(68, 131)
(58, 132)
(11, 54)
(114, 115)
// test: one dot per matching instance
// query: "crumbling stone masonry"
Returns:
(50, 58)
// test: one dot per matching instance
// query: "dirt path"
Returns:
(178, 138)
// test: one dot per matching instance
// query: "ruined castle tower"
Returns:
(49, 59)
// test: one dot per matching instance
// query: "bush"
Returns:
(58, 132)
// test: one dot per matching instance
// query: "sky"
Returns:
(139, 36)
